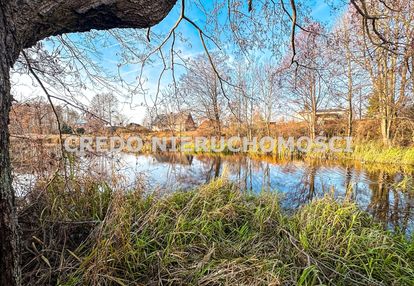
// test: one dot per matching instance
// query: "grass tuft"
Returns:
(216, 235)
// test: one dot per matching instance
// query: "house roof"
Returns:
(171, 118)
(332, 110)
(326, 111)
(134, 124)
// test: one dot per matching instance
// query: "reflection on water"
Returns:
(387, 195)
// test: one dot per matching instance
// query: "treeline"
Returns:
(358, 74)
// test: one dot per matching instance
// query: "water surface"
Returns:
(386, 193)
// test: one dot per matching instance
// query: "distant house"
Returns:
(135, 127)
(325, 115)
(181, 121)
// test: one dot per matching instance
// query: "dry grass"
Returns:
(215, 235)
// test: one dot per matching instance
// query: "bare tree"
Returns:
(23, 24)
(268, 92)
(106, 107)
(347, 76)
(388, 59)
(202, 91)
(307, 87)
(245, 100)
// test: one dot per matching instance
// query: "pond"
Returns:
(386, 193)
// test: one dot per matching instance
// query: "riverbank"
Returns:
(365, 152)
(377, 153)
(215, 235)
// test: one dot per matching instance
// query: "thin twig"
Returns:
(53, 108)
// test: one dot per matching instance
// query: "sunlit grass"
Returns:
(377, 153)
(214, 235)
(368, 152)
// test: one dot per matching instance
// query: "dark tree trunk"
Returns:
(9, 242)
(9, 236)
(350, 95)
(350, 119)
(22, 24)
(217, 120)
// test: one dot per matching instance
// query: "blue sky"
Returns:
(109, 57)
